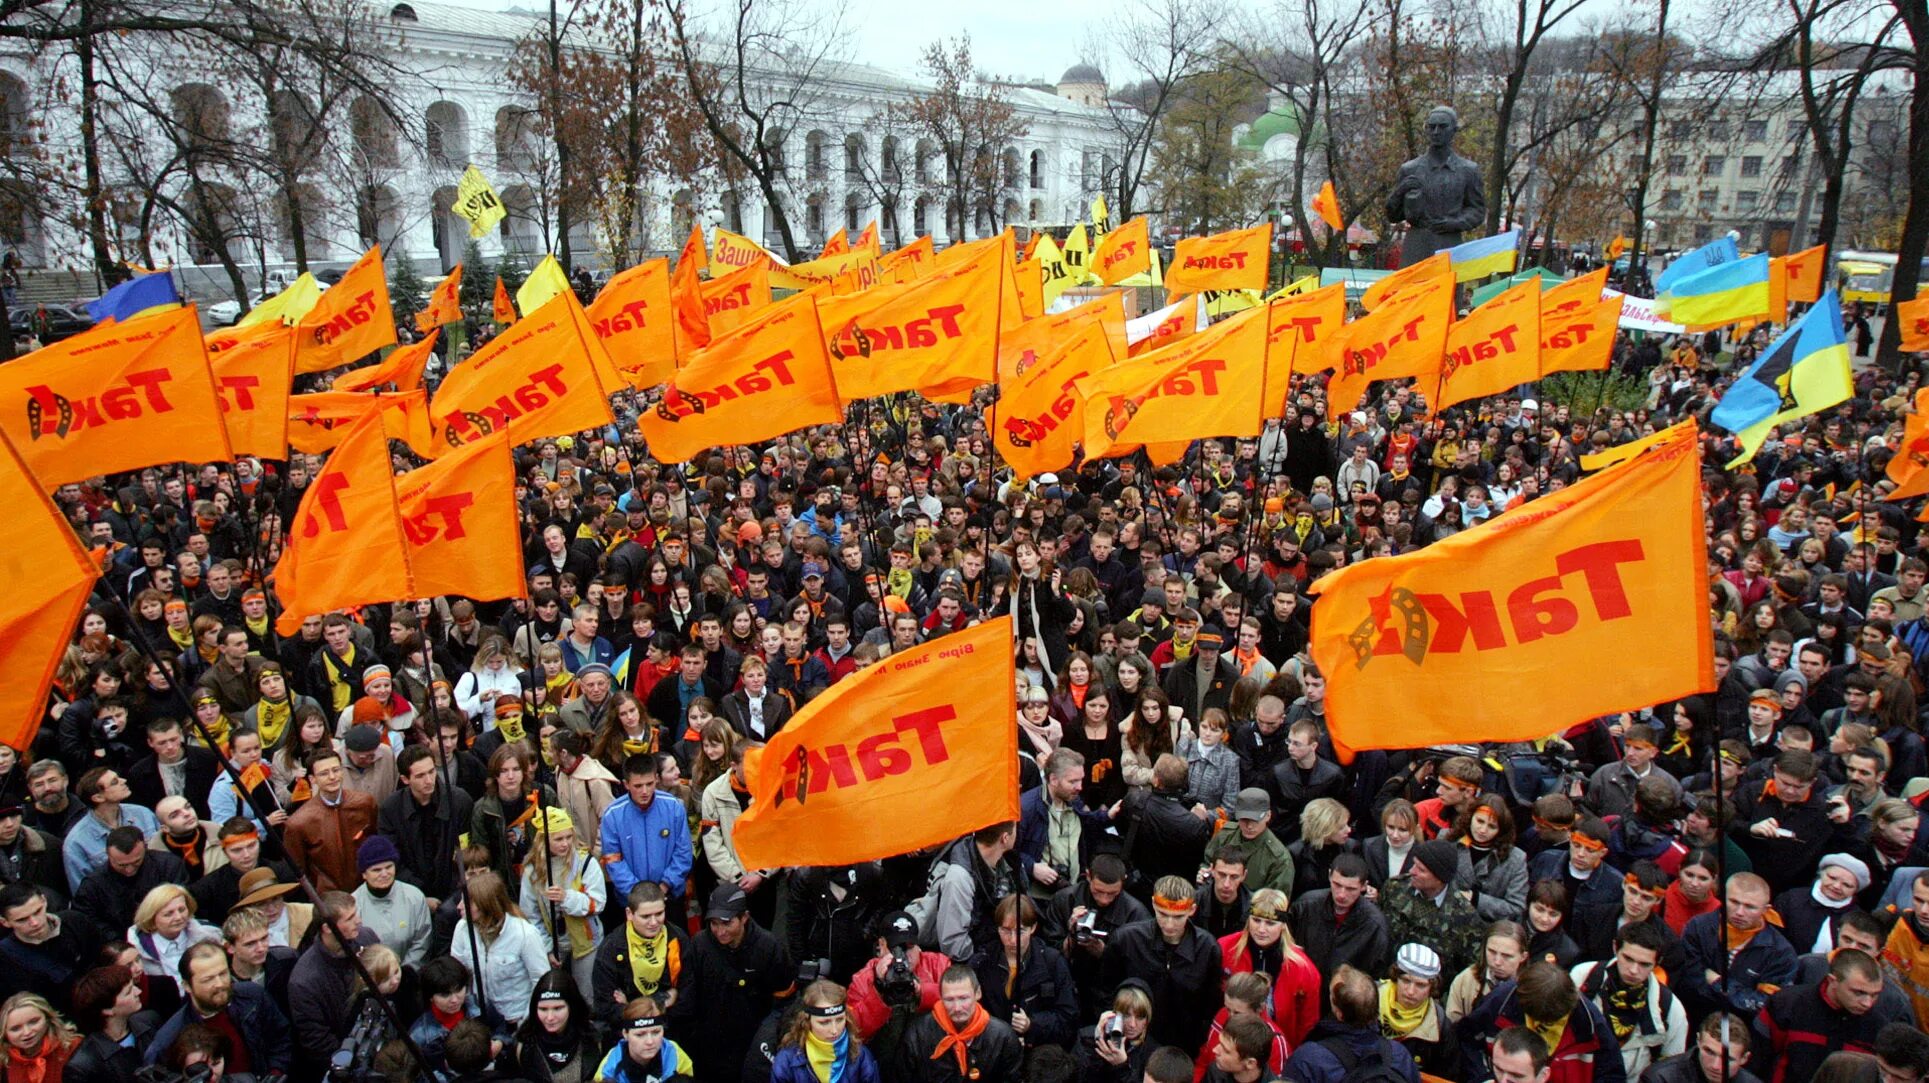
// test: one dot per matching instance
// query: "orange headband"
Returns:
(1470, 787)
(1643, 744)
(242, 836)
(1634, 882)
(1180, 906)
(1540, 821)
(1583, 841)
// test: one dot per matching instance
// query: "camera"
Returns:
(1086, 929)
(899, 985)
(354, 1060)
(1115, 1030)
(811, 970)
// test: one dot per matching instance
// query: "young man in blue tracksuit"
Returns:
(646, 838)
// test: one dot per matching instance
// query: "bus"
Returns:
(1869, 277)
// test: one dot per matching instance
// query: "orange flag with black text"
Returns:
(254, 375)
(542, 377)
(505, 305)
(1404, 337)
(49, 579)
(938, 335)
(1495, 347)
(691, 322)
(1303, 333)
(855, 775)
(1236, 260)
(460, 521)
(730, 301)
(345, 546)
(909, 263)
(1020, 347)
(769, 377)
(321, 420)
(1382, 290)
(1913, 321)
(1517, 614)
(1040, 416)
(402, 367)
(632, 318)
(1203, 386)
(1124, 252)
(1162, 327)
(1326, 204)
(352, 320)
(1805, 272)
(1580, 340)
(116, 397)
(445, 303)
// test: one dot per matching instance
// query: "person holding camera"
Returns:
(1081, 918)
(1116, 1050)
(1178, 962)
(902, 979)
(1028, 984)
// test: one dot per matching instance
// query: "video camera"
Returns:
(899, 985)
(354, 1060)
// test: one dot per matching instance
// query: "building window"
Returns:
(1747, 200)
(1677, 165)
(1671, 200)
(1717, 130)
(1791, 165)
(1751, 166)
(1706, 200)
(1755, 130)
(1713, 165)
(1785, 203)
(1704, 234)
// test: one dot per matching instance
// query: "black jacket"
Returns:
(203, 767)
(1293, 788)
(426, 836)
(1182, 686)
(1362, 941)
(822, 926)
(1789, 860)
(1086, 958)
(100, 1059)
(995, 1056)
(263, 1028)
(1686, 1068)
(109, 899)
(1798, 1028)
(1184, 978)
(1044, 990)
(612, 974)
(735, 988)
(1167, 839)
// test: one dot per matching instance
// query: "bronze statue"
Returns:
(1437, 194)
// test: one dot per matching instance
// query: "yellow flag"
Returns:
(477, 202)
(288, 306)
(1101, 216)
(543, 284)
(1078, 257)
(1053, 272)
(1297, 286)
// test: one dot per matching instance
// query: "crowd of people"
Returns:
(493, 840)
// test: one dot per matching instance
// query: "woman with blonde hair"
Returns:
(494, 673)
(164, 929)
(1502, 954)
(514, 953)
(819, 1045)
(1265, 946)
(716, 741)
(562, 882)
(1325, 832)
(1118, 1046)
(39, 1041)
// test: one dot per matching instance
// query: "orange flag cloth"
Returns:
(254, 374)
(1238, 260)
(632, 317)
(49, 579)
(445, 303)
(402, 367)
(346, 545)
(545, 376)
(459, 516)
(352, 320)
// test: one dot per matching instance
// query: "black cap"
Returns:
(899, 929)
(726, 902)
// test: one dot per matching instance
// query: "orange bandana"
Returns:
(956, 1040)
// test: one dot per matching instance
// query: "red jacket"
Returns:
(840, 668)
(868, 1011)
(1275, 1057)
(1296, 993)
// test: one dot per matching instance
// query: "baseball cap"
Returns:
(1251, 804)
(726, 902)
(899, 929)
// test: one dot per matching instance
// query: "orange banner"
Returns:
(1517, 614)
(1303, 335)
(403, 368)
(938, 335)
(1326, 204)
(836, 245)
(1022, 346)
(1806, 272)
(867, 240)
(1124, 252)
(460, 520)
(1574, 295)
(1382, 290)
(856, 774)
(1207, 385)
(1039, 416)
(1003, 250)
(1404, 337)
(1237, 260)
(254, 375)
(1914, 324)
(49, 579)
(1031, 287)
(691, 323)
(769, 377)
(352, 320)
(505, 306)
(445, 303)
(114, 398)
(1496, 347)
(345, 546)
(730, 301)
(631, 316)
(1579, 341)
(322, 420)
(542, 377)
(910, 263)
(1909, 466)
(1157, 330)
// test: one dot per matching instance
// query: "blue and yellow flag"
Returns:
(1720, 295)
(1712, 254)
(1805, 370)
(1486, 256)
(143, 295)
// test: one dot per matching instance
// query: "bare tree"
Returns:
(1149, 51)
(884, 177)
(971, 120)
(1533, 20)
(1914, 15)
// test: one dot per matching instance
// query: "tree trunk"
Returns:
(562, 144)
(109, 270)
(1915, 224)
(1503, 124)
(1651, 117)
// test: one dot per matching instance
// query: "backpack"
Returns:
(1374, 1068)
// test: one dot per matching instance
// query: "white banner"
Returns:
(1637, 314)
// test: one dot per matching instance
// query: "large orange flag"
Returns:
(402, 367)
(114, 398)
(445, 303)
(1124, 252)
(1207, 385)
(867, 240)
(1304, 330)
(686, 296)
(769, 377)
(1237, 260)
(863, 771)
(1516, 615)
(1909, 466)
(541, 377)
(254, 374)
(1011, 311)
(345, 546)
(459, 516)
(1404, 337)
(1498, 346)
(1806, 271)
(352, 320)
(1913, 320)
(1382, 290)
(322, 420)
(1579, 341)
(837, 244)
(1161, 328)
(730, 301)
(939, 334)
(1326, 203)
(49, 579)
(1020, 347)
(1039, 416)
(1030, 273)
(632, 317)
(1573, 295)
(910, 263)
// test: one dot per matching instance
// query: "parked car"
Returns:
(60, 322)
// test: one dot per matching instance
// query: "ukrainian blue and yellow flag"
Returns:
(142, 295)
(1805, 370)
(1712, 254)
(1720, 295)
(1486, 256)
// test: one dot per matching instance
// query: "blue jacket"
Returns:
(271, 1046)
(1768, 960)
(1313, 1062)
(791, 1066)
(1034, 828)
(652, 844)
(616, 1067)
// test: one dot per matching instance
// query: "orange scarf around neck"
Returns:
(958, 1040)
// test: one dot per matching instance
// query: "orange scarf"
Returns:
(956, 1040)
(34, 1068)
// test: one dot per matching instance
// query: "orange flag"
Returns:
(1806, 271)
(445, 303)
(542, 377)
(938, 335)
(49, 579)
(909, 263)
(322, 420)
(1516, 615)
(1039, 416)
(867, 240)
(505, 305)
(1909, 466)
(1405, 337)
(1914, 324)
(1124, 252)
(1302, 334)
(459, 517)
(1327, 205)
(686, 297)
(854, 775)
(1579, 341)
(631, 316)
(254, 375)
(1208, 385)
(113, 398)
(731, 300)
(1022, 346)
(1496, 347)
(1159, 329)
(1238, 260)
(1031, 287)
(769, 377)
(352, 320)
(1005, 247)
(345, 546)
(1617, 246)
(1382, 290)
(836, 245)
(403, 368)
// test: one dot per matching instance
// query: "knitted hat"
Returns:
(367, 709)
(1854, 866)
(1441, 858)
(376, 850)
(375, 672)
(1418, 960)
(594, 668)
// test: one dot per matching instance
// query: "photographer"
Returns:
(1081, 917)
(1116, 1050)
(901, 980)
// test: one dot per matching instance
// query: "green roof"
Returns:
(1283, 121)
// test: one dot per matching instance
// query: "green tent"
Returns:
(1494, 289)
